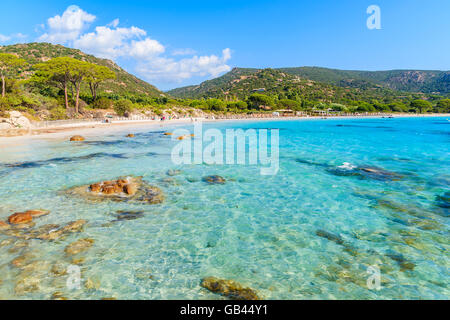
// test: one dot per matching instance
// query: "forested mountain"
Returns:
(312, 80)
(35, 53)
(426, 81)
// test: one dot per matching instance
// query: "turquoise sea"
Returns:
(309, 232)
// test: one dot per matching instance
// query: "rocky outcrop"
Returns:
(229, 289)
(122, 189)
(130, 135)
(16, 120)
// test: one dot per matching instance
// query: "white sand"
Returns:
(90, 129)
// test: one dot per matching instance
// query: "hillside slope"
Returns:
(242, 81)
(124, 83)
(425, 81)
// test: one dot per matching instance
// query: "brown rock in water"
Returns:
(58, 296)
(108, 189)
(20, 218)
(96, 187)
(59, 269)
(181, 138)
(79, 246)
(215, 179)
(130, 189)
(130, 135)
(77, 138)
(168, 133)
(37, 213)
(117, 188)
(55, 233)
(4, 225)
(23, 260)
(122, 189)
(74, 226)
(26, 285)
(122, 182)
(229, 288)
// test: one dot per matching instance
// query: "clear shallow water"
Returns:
(261, 231)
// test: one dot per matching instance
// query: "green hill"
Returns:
(241, 83)
(315, 82)
(425, 81)
(124, 84)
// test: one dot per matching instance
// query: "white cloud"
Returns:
(8, 38)
(170, 70)
(183, 52)
(4, 38)
(107, 42)
(68, 26)
(145, 49)
(147, 55)
(113, 23)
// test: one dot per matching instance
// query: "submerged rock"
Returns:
(77, 138)
(361, 172)
(130, 135)
(215, 179)
(402, 262)
(53, 232)
(365, 172)
(4, 225)
(338, 240)
(59, 269)
(229, 288)
(122, 189)
(58, 296)
(129, 215)
(443, 203)
(38, 213)
(330, 236)
(173, 172)
(20, 218)
(26, 285)
(23, 260)
(78, 246)
(26, 217)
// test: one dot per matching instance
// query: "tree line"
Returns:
(60, 72)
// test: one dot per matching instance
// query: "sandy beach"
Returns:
(91, 129)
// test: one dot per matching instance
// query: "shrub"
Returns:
(103, 103)
(123, 106)
(216, 105)
(256, 100)
(58, 113)
(288, 104)
(421, 105)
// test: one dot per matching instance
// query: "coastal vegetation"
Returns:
(50, 82)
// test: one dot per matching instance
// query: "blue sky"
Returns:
(177, 43)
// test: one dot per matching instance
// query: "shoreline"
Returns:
(97, 128)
